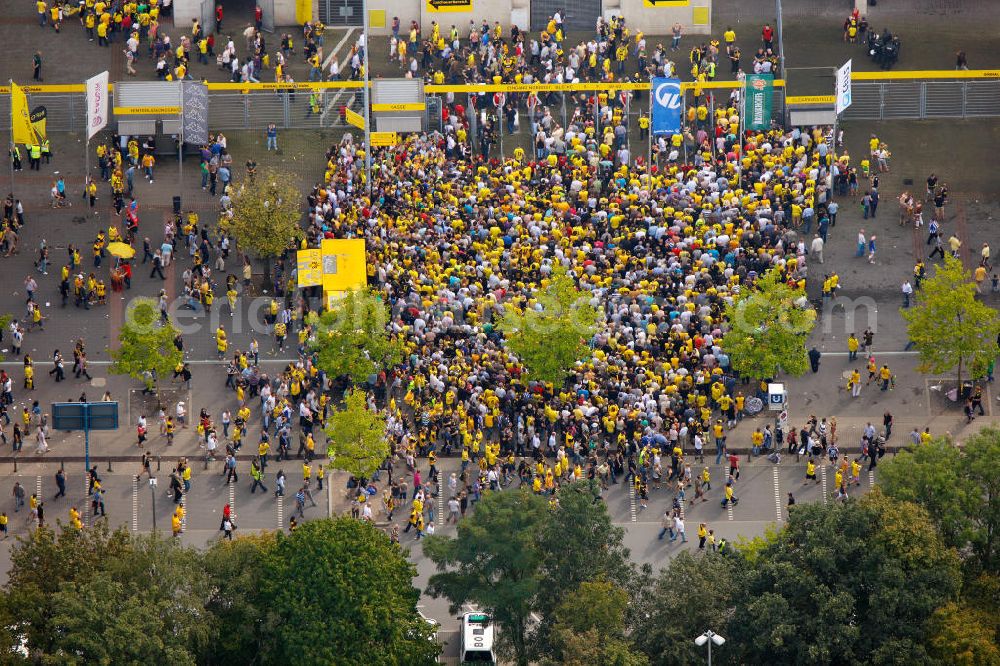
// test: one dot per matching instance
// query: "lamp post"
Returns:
(709, 637)
(152, 493)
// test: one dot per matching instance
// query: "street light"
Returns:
(152, 492)
(709, 637)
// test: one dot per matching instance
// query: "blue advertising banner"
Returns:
(666, 102)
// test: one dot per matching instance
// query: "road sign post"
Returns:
(85, 416)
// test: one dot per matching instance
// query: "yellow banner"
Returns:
(310, 268)
(415, 106)
(575, 87)
(23, 131)
(666, 3)
(147, 110)
(355, 119)
(384, 138)
(317, 85)
(49, 88)
(447, 6)
(344, 264)
(810, 99)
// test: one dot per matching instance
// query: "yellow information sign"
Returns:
(147, 110)
(666, 3)
(414, 106)
(344, 264)
(447, 6)
(384, 138)
(355, 119)
(810, 99)
(310, 268)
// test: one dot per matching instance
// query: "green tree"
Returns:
(577, 543)
(769, 324)
(94, 597)
(933, 476)
(352, 339)
(856, 582)
(981, 453)
(340, 591)
(692, 594)
(949, 327)
(239, 602)
(962, 636)
(267, 214)
(146, 349)
(959, 488)
(589, 628)
(553, 334)
(358, 444)
(495, 563)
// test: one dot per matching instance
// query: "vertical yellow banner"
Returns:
(23, 132)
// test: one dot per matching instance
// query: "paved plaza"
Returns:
(960, 152)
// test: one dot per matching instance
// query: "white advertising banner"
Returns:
(844, 87)
(97, 104)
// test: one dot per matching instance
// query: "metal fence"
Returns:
(235, 110)
(66, 112)
(919, 100)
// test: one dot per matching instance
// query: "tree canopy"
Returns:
(949, 327)
(358, 444)
(146, 344)
(959, 487)
(519, 557)
(266, 214)
(332, 592)
(553, 333)
(769, 324)
(352, 338)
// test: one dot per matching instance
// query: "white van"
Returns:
(477, 639)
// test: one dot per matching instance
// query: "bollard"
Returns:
(157, 463)
(15, 464)
(62, 465)
(109, 465)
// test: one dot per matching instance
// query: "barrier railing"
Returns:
(924, 94)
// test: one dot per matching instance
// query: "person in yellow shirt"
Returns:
(811, 472)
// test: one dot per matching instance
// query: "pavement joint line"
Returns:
(336, 49)
(777, 493)
(135, 503)
(822, 474)
(631, 502)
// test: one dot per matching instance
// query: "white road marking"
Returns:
(135, 503)
(871, 478)
(631, 501)
(822, 476)
(777, 493)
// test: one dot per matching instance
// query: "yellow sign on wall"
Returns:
(344, 263)
(355, 119)
(810, 99)
(413, 106)
(147, 110)
(443, 6)
(666, 3)
(384, 138)
(310, 268)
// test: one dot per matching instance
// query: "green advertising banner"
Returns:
(759, 93)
